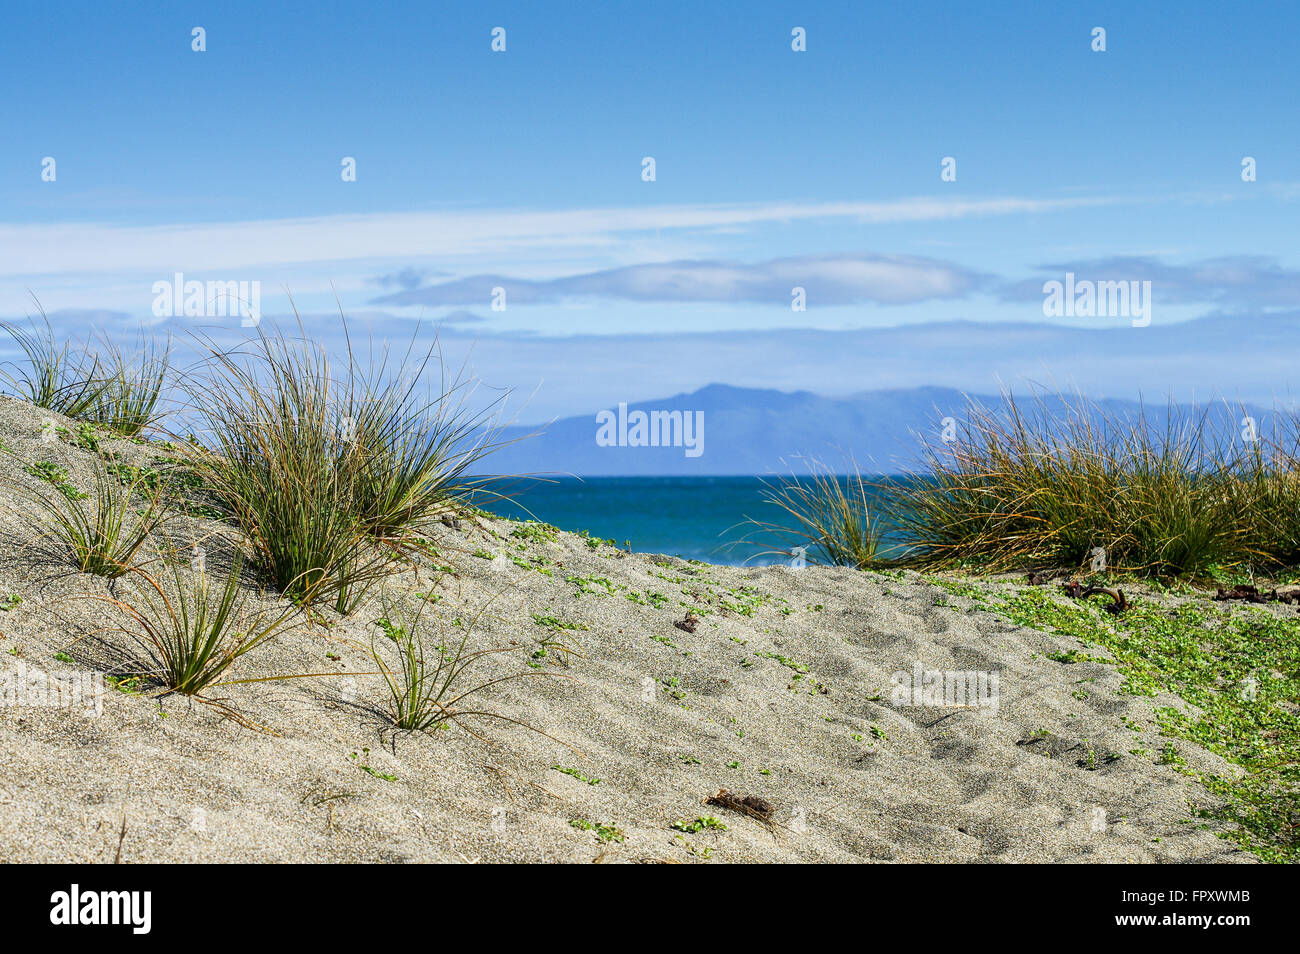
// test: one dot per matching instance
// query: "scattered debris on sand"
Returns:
(1077, 591)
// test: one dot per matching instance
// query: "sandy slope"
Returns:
(929, 784)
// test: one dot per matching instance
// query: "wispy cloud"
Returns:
(460, 316)
(406, 278)
(33, 250)
(826, 279)
(1239, 280)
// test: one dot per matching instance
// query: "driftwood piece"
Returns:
(1077, 591)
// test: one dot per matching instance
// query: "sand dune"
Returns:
(782, 691)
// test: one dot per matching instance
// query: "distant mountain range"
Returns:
(752, 430)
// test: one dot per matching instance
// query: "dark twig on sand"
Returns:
(1078, 591)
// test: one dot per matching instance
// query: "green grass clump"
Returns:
(1054, 483)
(1031, 486)
(425, 686)
(415, 446)
(190, 630)
(100, 532)
(129, 400)
(328, 471)
(831, 515)
(56, 376)
(101, 385)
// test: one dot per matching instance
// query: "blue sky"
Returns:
(774, 168)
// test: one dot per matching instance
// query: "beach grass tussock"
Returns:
(830, 513)
(1025, 486)
(101, 532)
(328, 471)
(129, 398)
(98, 382)
(189, 627)
(57, 376)
(424, 681)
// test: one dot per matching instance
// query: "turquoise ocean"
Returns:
(698, 518)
